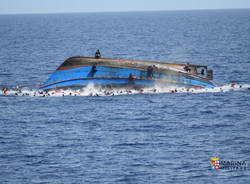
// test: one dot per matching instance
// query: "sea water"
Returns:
(151, 136)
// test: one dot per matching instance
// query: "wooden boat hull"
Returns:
(77, 72)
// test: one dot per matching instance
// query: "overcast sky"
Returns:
(55, 6)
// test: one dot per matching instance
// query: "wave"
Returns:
(91, 90)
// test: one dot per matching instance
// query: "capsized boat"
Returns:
(77, 72)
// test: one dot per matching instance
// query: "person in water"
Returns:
(98, 54)
(187, 67)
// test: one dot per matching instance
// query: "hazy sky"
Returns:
(55, 6)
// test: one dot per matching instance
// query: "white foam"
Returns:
(91, 90)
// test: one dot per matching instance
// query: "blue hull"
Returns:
(76, 75)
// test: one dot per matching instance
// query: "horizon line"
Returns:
(123, 11)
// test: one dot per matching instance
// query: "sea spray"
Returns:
(91, 90)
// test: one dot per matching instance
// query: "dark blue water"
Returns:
(141, 138)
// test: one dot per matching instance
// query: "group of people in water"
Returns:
(83, 92)
(107, 91)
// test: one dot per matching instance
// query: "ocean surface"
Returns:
(159, 137)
